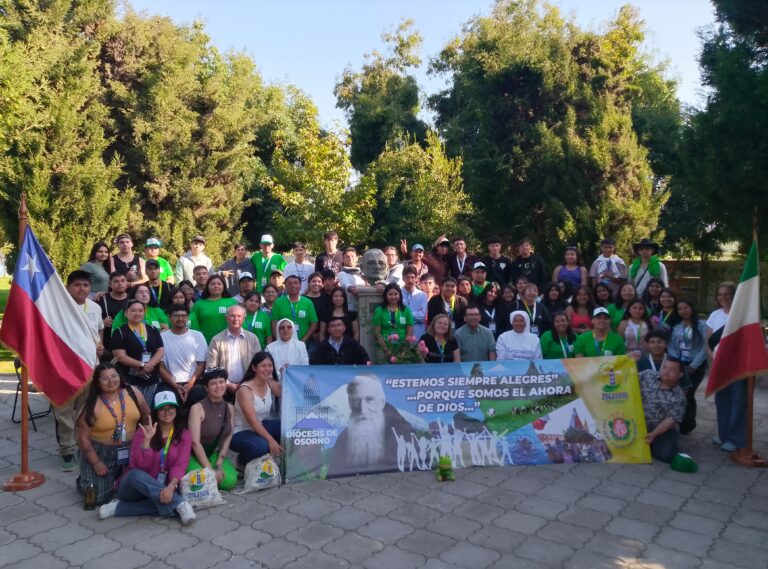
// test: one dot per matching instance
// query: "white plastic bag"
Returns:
(261, 473)
(199, 488)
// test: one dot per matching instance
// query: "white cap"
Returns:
(163, 398)
(479, 265)
(245, 275)
(600, 310)
(267, 238)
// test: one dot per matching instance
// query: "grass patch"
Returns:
(6, 357)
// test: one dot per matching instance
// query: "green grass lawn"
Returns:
(6, 357)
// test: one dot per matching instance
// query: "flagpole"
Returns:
(747, 456)
(26, 479)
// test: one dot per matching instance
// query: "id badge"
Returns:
(161, 476)
(302, 313)
(453, 325)
(259, 325)
(123, 455)
(402, 320)
(492, 327)
(222, 309)
(608, 353)
(263, 281)
(535, 330)
(685, 354)
(145, 357)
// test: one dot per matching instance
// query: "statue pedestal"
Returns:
(368, 299)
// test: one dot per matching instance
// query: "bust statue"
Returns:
(374, 266)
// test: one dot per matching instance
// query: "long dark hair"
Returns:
(556, 306)
(694, 317)
(389, 287)
(257, 358)
(207, 291)
(646, 314)
(345, 304)
(94, 391)
(92, 257)
(619, 301)
(590, 299)
(483, 296)
(570, 335)
(179, 424)
(596, 298)
(646, 292)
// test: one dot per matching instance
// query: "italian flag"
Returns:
(741, 352)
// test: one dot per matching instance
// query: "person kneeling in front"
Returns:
(159, 458)
(664, 407)
(257, 428)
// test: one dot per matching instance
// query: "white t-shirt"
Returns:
(92, 313)
(303, 270)
(717, 320)
(183, 352)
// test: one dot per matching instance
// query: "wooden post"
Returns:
(26, 479)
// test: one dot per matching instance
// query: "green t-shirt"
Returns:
(616, 314)
(613, 345)
(264, 267)
(165, 269)
(260, 324)
(393, 322)
(552, 349)
(210, 316)
(301, 313)
(154, 316)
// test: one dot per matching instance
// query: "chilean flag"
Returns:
(44, 325)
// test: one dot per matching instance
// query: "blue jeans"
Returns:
(139, 495)
(249, 445)
(731, 404)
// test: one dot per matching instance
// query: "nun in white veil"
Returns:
(518, 343)
(287, 349)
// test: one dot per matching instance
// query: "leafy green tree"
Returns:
(725, 148)
(542, 113)
(311, 181)
(381, 102)
(53, 128)
(185, 119)
(419, 193)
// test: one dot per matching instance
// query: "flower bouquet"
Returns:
(401, 351)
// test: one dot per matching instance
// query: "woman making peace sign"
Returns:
(159, 458)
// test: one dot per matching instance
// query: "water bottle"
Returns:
(89, 497)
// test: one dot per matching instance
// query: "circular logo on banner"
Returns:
(197, 480)
(621, 431)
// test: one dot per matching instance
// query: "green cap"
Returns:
(684, 463)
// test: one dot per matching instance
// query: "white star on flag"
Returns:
(31, 266)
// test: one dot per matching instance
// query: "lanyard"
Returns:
(564, 348)
(599, 346)
(665, 316)
(449, 307)
(393, 320)
(653, 364)
(441, 349)
(157, 295)
(491, 314)
(141, 336)
(532, 315)
(294, 307)
(164, 450)
(253, 321)
(461, 263)
(687, 334)
(264, 265)
(119, 433)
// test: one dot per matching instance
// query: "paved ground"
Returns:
(571, 516)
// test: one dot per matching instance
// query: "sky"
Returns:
(309, 43)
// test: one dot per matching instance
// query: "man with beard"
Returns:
(369, 443)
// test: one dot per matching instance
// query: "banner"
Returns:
(347, 420)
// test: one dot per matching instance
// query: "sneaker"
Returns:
(716, 441)
(67, 463)
(186, 513)
(728, 446)
(108, 510)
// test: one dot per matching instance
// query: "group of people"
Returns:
(206, 347)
